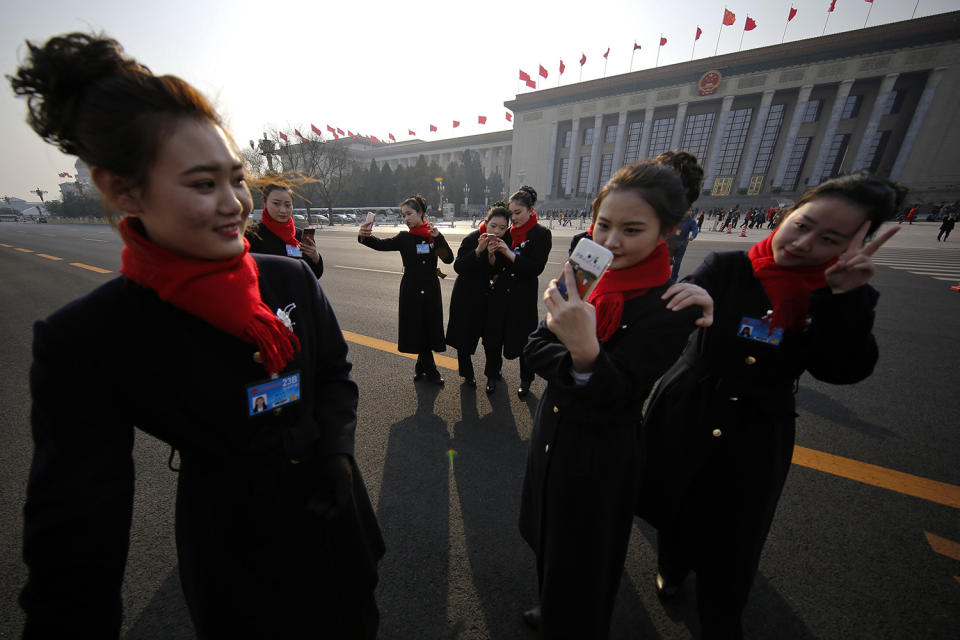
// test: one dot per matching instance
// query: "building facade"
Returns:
(495, 151)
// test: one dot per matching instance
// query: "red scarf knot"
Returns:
(422, 230)
(223, 293)
(519, 234)
(286, 231)
(788, 288)
(618, 286)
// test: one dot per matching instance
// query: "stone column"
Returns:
(753, 145)
(719, 131)
(551, 165)
(571, 163)
(843, 90)
(919, 115)
(595, 154)
(678, 127)
(861, 161)
(645, 136)
(621, 140)
(791, 134)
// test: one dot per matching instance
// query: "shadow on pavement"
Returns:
(166, 615)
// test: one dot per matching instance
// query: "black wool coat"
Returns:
(262, 240)
(718, 434)
(254, 560)
(519, 317)
(581, 480)
(421, 307)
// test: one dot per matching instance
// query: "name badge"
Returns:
(759, 331)
(272, 394)
(423, 248)
(293, 252)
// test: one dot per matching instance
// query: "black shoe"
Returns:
(665, 589)
(418, 376)
(491, 386)
(435, 377)
(524, 388)
(531, 617)
(470, 381)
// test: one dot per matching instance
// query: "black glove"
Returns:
(335, 476)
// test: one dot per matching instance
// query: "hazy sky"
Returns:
(379, 67)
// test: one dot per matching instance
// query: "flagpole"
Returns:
(694, 48)
(632, 55)
(717, 48)
(915, 10)
(659, 46)
(784, 36)
(868, 14)
(828, 20)
(743, 33)
(605, 60)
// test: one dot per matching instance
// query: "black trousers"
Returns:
(943, 235)
(425, 363)
(491, 369)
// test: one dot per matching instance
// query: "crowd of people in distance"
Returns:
(276, 536)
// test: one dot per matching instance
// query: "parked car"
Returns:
(41, 219)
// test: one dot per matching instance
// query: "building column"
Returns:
(571, 163)
(827, 141)
(678, 127)
(594, 154)
(551, 165)
(645, 135)
(795, 123)
(753, 146)
(621, 140)
(886, 86)
(718, 133)
(919, 115)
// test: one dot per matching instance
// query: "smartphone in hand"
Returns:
(309, 233)
(589, 260)
(371, 218)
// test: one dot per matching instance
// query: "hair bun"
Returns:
(530, 190)
(499, 203)
(687, 165)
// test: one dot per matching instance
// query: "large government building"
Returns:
(766, 123)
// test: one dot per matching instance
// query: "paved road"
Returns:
(866, 543)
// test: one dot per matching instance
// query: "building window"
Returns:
(634, 134)
(611, 134)
(584, 178)
(567, 139)
(876, 148)
(733, 140)
(851, 108)
(564, 172)
(588, 135)
(798, 156)
(894, 102)
(660, 135)
(812, 112)
(768, 141)
(606, 167)
(721, 186)
(756, 183)
(696, 134)
(836, 154)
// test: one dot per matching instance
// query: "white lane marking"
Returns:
(340, 266)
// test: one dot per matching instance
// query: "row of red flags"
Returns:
(64, 174)
(338, 133)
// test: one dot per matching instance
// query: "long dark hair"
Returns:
(878, 198)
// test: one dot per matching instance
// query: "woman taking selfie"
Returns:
(276, 234)
(527, 252)
(719, 432)
(421, 307)
(600, 357)
(475, 292)
(275, 534)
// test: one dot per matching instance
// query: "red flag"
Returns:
(432, 128)
(663, 41)
(792, 14)
(411, 132)
(340, 131)
(61, 175)
(392, 138)
(524, 76)
(456, 123)
(870, 1)
(331, 129)
(543, 72)
(299, 135)
(313, 128)
(562, 66)
(699, 33)
(374, 139)
(636, 46)
(509, 117)
(833, 5)
(531, 84)
(67, 174)
(750, 24)
(283, 136)
(729, 17)
(607, 53)
(482, 119)
(583, 59)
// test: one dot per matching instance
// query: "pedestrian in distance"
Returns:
(276, 233)
(946, 227)
(691, 173)
(421, 307)
(476, 291)
(275, 534)
(600, 357)
(527, 252)
(718, 435)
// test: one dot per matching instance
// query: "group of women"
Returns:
(276, 536)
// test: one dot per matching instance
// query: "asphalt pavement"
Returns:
(865, 544)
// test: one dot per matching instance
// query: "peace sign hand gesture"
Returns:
(854, 268)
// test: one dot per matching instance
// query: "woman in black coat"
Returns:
(528, 251)
(475, 293)
(275, 533)
(719, 431)
(276, 233)
(601, 359)
(421, 307)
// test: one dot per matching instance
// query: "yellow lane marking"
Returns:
(943, 546)
(43, 255)
(9, 246)
(389, 347)
(89, 268)
(24, 250)
(905, 483)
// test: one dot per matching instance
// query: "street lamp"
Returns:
(466, 195)
(486, 197)
(439, 181)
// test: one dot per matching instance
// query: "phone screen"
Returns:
(308, 233)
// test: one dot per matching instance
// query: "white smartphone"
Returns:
(371, 218)
(589, 261)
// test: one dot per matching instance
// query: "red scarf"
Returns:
(286, 231)
(788, 288)
(519, 234)
(223, 293)
(422, 230)
(482, 228)
(616, 287)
